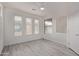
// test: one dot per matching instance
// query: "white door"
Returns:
(73, 33)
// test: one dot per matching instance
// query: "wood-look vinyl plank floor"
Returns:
(37, 48)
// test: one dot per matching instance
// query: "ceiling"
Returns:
(51, 8)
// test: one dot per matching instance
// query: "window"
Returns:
(28, 26)
(48, 26)
(36, 29)
(18, 26)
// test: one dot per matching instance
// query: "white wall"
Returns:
(56, 37)
(9, 27)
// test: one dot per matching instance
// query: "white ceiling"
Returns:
(51, 8)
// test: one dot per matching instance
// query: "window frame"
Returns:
(31, 23)
(18, 33)
(38, 27)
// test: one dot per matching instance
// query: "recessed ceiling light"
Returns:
(42, 8)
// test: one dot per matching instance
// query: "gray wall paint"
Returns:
(9, 27)
(61, 24)
(1, 34)
(1, 28)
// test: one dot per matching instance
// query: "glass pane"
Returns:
(18, 18)
(18, 26)
(48, 23)
(28, 26)
(36, 22)
(48, 29)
